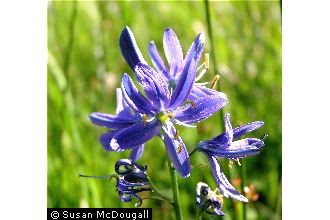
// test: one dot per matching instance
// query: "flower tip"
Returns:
(202, 37)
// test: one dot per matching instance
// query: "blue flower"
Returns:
(208, 200)
(224, 145)
(125, 117)
(165, 102)
(174, 56)
(131, 179)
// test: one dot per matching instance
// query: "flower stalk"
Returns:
(175, 189)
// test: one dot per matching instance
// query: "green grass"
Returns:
(85, 66)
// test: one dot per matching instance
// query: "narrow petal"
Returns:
(136, 153)
(176, 150)
(105, 139)
(134, 135)
(157, 61)
(223, 184)
(111, 121)
(237, 149)
(200, 109)
(173, 51)
(154, 85)
(247, 128)
(129, 48)
(184, 85)
(199, 91)
(196, 49)
(133, 97)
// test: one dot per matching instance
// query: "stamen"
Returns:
(215, 81)
(207, 63)
(144, 119)
(230, 164)
(191, 102)
(176, 136)
(180, 148)
(237, 160)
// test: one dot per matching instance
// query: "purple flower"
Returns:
(131, 179)
(224, 145)
(125, 117)
(208, 200)
(174, 56)
(166, 101)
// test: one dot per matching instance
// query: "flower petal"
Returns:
(247, 128)
(184, 85)
(176, 150)
(223, 184)
(134, 135)
(133, 97)
(196, 49)
(154, 85)
(111, 121)
(201, 109)
(136, 152)
(199, 91)
(129, 48)
(237, 149)
(173, 51)
(157, 61)
(105, 139)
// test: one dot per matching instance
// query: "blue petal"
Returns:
(111, 121)
(105, 139)
(176, 150)
(184, 85)
(199, 91)
(247, 128)
(129, 48)
(154, 85)
(223, 184)
(134, 98)
(196, 49)
(173, 51)
(157, 60)
(237, 149)
(134, 135)
(201, 109)
(136, 153)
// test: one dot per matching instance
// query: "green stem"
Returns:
(175, 188)
(244, 183)
(159, 193)
(199, 215)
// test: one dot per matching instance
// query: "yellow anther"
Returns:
(230, 164)
(237, 160)
(191, 102)
(207, 63)
(215, 81)
(180, 148)
(176, 136)
(144, 119)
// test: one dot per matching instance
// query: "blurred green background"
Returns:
(85, 66)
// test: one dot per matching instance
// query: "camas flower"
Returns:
(208, 200)
(174, 55)
(162, 106)
(125, 117)
(131, 179)
(224, 146)
(161, 109)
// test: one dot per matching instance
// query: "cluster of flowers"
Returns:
(172, 96)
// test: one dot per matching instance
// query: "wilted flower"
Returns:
(131, 177)
(208, 200)
(225, 146)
